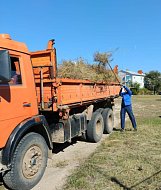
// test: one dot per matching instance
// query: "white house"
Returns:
(127, 77)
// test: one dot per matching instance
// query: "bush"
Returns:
(134, 91)
(145, 91)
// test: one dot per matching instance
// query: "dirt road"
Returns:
(67, 157)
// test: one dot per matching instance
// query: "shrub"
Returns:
(145, 91)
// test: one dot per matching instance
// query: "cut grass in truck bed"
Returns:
(129, 160)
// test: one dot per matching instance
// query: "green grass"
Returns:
(128, 161)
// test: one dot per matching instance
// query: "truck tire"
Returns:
(28, 163)
(95, 127)
(108, 118)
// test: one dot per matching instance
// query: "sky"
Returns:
(130, 29)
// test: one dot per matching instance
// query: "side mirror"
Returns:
(5, 66)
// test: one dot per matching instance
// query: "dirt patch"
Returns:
(68, 157)
(63, 163)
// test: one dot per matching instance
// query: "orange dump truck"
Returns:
(37, 109)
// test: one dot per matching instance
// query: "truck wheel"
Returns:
(95, 127)
(108, 119)
(28, 163)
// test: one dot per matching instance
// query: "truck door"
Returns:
(16, 101)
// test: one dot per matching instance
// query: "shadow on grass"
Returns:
(118, 129)
(115, 180)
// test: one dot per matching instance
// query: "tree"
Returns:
(152, 81)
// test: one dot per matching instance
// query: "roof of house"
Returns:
(131, 73)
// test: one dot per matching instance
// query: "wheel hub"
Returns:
(98, 128)
(32, 161)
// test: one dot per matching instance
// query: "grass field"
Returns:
(129, 160)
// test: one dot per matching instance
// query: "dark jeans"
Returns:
(123, 111)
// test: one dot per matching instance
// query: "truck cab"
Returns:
(23, 148)
(18, 99)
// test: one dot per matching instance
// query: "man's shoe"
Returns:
(122, 130)
(135, 129)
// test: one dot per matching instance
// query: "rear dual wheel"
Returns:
(108, 118)
(95, 127)
(99, 124)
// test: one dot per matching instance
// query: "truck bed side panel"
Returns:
(71, 93)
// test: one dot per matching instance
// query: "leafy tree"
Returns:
(152, 81)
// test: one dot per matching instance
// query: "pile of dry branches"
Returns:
(82, 70)
(100, 71)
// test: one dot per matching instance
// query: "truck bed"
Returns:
(54, 92)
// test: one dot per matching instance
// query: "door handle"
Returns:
(25, 104)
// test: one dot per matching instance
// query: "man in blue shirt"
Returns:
(126, 106)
